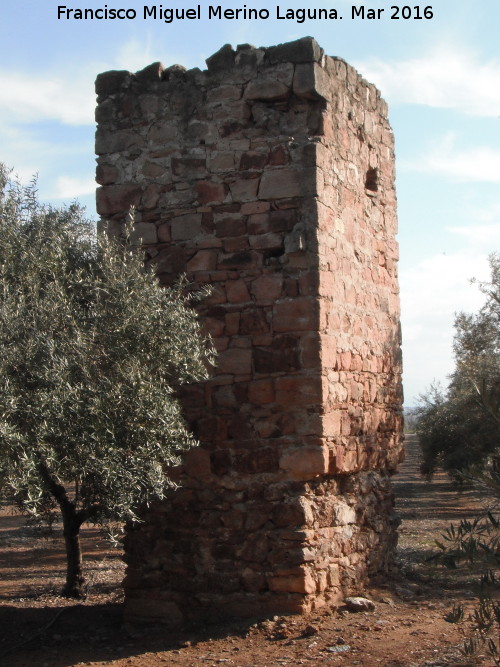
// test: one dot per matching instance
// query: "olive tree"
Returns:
(93, 350)
(460, 427)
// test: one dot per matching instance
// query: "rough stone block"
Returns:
(235, 361)
(244, 189)
(211, 193)
(203, 260)
(269, 90)
(303, 50)
(296, 390)
(223, 59)
(305, 462)
(112, 82)
(185, 226)
(267, 289)
(260, 392)
(312, 81)
(299, 314)
(118, 198)
(237, 292)
(282, 183)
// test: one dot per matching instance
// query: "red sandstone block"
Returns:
(345, 423)
(283, 220)
(303, 463)
(248, 208)
(185, 227)
(343, 461)
(267, 288)
(253, 582)
(253, 321)
(282, 356)
(266, 89)
(300, 314)
(235, 243)
(235, 360)
(189, 167)
(266, 241)
(332, 423)
(309, 283)
(237, 291)
(329, 350)
(303, 390)
(261, 391)
(278, 156)
(298, 583)
(222, 162)
(328, 283)
(244, 189)
(344, 360)
(197, 463)
(265, 339)
(258, 223)
(208, 242)
(203, 260)
(232, 323)
(282, 183)
(210, 193)
(106, 174)
(290, 288)
(310, 351)
(224, 93)
(221, 343)
(112, 199)
(262, 460)
(164, 235)
(151, 196)
(253, 160)
(230, 226)
(213, 326)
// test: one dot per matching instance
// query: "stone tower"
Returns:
(269, 176)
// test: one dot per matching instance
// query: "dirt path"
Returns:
(407, 628)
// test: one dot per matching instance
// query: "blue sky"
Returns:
(440, 76)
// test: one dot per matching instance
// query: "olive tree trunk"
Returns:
(72, 521)
(74, 562)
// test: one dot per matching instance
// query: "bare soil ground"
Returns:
(406, 629)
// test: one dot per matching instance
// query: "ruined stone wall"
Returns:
(269, 176)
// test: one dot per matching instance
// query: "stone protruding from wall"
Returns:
(269, 176)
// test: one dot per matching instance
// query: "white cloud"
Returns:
(68, 95)
(135, 54)
(432, 292)
(488, 214)
(449, 77)
(70, 100)
(488, 234)
(480, 164)
(67, 187)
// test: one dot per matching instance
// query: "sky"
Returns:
(440, 76)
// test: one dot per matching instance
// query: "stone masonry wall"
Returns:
(269, 176)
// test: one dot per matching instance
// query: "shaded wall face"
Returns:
(270, 177)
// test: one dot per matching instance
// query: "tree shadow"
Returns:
(71, 634)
